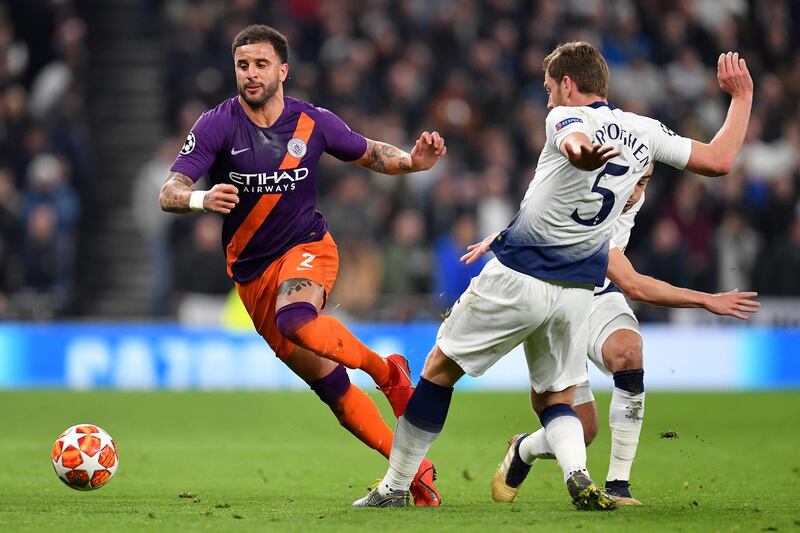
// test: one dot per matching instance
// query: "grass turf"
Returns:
(279, 461)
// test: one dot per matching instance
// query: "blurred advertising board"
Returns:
(148, 356)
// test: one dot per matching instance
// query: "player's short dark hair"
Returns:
(583, 63)
(261, 33)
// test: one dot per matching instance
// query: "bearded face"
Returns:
(259, 73)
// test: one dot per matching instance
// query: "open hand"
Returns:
(733, 303)
(428, 149)
(733, 76)
(589, 157)
(477, 250)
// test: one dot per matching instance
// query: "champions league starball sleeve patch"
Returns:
(188, 146)
(566, 122)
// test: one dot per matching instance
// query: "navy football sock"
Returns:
(416, 430)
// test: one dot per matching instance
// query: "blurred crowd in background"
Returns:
(44, 154)
(471, 70)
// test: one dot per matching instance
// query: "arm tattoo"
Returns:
(294, 285)
(387, 159)
(374, 153)
(175, 193)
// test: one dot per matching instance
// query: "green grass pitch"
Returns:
(279, 461)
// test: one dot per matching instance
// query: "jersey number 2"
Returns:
(610, 169)
(306, 263)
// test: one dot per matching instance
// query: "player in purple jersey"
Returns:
(261, 151)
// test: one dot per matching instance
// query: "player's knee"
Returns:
(440, 369)
(332, 387)
(283, 348)
(624, 353)
(292, 317)
(630, 356)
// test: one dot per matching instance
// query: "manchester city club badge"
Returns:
(297, 147)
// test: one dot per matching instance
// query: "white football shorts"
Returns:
(610, 312)
(583, 393)
(503, 308)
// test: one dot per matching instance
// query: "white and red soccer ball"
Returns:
(85, 457)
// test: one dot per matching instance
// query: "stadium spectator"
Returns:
(494, 208)
(42, 291)
(407, 260)
(40, 250)
(50, 211)
(44, 154)
(691, 214)
(452, 276)
(358, 285)
(153, 223)
(780, 271)
(350, 209)
(201, 287)
(666, 259)
(10, 207)
(736, 249)
(48, 183)
(687, 76)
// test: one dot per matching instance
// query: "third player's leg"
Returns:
(622, 356)
(542, 400)
(556, 356)
(585, 407)
(615, 347)
(622, 350)
(587, 413)
(535, 445)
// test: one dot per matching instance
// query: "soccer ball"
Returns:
(85, 457)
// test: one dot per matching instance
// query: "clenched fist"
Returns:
(221, 198)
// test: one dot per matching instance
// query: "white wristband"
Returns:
(196, 200)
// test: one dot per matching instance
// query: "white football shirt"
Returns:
(620, 236)
(564, 224)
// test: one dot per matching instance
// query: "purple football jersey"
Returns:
(275, 170)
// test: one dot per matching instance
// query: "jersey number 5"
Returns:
(610, 169)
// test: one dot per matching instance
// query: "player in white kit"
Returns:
(615, 347)
(538, 290)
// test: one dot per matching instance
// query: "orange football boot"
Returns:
(422, 488)
(399, 389)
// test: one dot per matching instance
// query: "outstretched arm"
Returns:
(177, 196)
(650, 290)
(387, 159)
(716, 158)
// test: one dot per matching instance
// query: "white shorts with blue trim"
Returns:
(610, 312)
(583, 394)
(503, 308)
